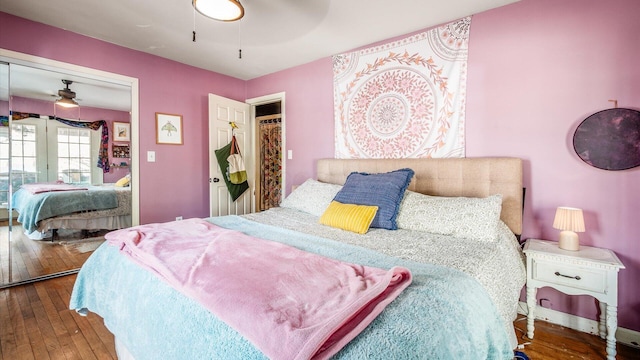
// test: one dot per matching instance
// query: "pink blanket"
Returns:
(37, 188)
(289, 303)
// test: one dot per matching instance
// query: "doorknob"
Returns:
(215, 180)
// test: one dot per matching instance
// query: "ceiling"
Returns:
(273, 35)
(33, 83)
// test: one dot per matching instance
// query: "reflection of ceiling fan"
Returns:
(66, 95)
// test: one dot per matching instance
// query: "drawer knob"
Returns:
(567, 276)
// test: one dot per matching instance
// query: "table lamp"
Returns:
(570, 221)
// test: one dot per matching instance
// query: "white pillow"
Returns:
(463, 217)
(312, 197)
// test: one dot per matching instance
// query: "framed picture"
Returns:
(168, 129)
(121, 131)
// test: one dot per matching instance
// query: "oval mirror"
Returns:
(609, 139)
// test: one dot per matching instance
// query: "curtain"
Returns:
(270, 132)
(103, 153)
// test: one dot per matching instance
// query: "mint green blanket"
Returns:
(443, 314)
(35, 207)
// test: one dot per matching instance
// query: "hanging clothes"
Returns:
(235, 190)
(270, 132)
(237, 173)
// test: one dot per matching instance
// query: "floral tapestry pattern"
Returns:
(404, 99)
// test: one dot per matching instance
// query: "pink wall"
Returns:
(177, 183)
(308, 110)
(537, 68)
(85, 113)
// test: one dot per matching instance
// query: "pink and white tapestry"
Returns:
(403, 99)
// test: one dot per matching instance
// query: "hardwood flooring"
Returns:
(36, 324)
(555, 342)
(33, 258)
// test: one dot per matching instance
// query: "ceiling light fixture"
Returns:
(66, 102)
(222, 10)
(66, 96)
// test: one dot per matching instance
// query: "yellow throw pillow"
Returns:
(350, 217)
(123, 182)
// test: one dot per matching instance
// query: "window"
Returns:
(23, 155)
(65, 153)
(74, 155)
(23, 158)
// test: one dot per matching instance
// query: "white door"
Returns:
(222, 112)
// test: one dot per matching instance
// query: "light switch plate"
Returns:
(289, 154)
(151, 156)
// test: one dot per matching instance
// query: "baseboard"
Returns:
(624, 336)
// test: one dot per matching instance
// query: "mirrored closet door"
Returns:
(51, 156)
(5, 224)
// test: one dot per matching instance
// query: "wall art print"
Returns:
(403, 99)
(168, 129)
(121, 131)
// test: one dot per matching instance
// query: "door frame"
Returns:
(261, 100)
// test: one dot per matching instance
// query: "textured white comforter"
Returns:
(499, 266)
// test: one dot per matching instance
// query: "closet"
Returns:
(34, 147)
(269, 152)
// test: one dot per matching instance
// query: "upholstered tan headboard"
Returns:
(470, 177)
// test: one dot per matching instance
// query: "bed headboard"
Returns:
(469, 177)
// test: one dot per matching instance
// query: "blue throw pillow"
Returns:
(384, 190)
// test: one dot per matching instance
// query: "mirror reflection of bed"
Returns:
(58, 231)
(63, 242)
(63, 239)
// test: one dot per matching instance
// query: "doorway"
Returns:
(268, 113)
(269, 152)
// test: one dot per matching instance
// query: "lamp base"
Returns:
(569, 241)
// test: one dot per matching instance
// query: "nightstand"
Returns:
(589, 271)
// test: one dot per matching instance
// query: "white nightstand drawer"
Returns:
(574, 276)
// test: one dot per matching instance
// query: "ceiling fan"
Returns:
(66, 95)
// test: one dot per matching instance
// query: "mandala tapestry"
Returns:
(404, 99)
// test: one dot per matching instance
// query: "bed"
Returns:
(463, 296)
(44, 208)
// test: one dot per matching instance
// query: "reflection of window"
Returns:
(74, 155)
(4, 165)
(23, 155)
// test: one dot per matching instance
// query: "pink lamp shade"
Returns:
(570, 221)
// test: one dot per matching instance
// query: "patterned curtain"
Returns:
(271, 162)
(103, 153)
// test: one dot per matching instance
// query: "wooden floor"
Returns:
(36, 324)
(553, 342)
(33, 258)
